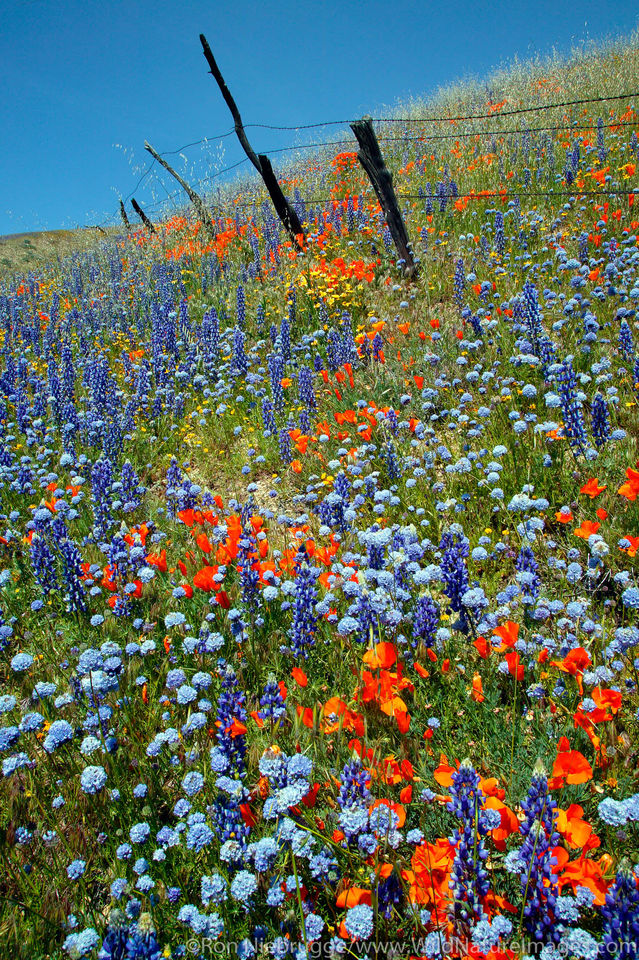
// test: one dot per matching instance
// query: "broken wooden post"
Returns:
(125, 219)
(262, 164)
(142, 215)
(195, 198)
(370, 157)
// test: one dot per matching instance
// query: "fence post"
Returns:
(125, 219)
(262, 164)
(142, 215)
(194, 197)
(370, 157)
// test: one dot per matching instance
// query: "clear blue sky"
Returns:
(85, 82)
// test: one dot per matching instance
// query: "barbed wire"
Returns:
(495, 115)
(502, 194)
(422, 138)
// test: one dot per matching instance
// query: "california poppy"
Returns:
(592, 489)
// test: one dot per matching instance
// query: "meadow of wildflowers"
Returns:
(318, 587)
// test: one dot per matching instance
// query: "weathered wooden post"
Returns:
(262, 164)
(142, 215)
(370, 157)
(195, 198)
(125, 219)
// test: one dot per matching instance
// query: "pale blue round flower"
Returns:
(192, 783)
(75, 869)
(174, 620)
(21, 662)
(93, 779)
(358, 922)
(243, 886)
(60, 732)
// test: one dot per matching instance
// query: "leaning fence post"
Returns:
(194, 197)
(262, 164)
(370, 157)
(125, 219)
(142, 215)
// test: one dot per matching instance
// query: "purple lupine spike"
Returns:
(239, 362)
(286, 448)
(377, 347)
(228, 759)
(459, 283)
(528, 568)
(334, 350)
(305, 386)
(72, 574)
(43, 563)
(348, 348)
(600, 420)
(355, 784)
(272, 707)
(500, 236)
(571, 407)
(268, 415)
(240, 301)
(132, 492)
(285, 339)
(538, 879)
(276, 372)
(469, 878)
(455, 572)
(302, 632)
(425, 621)
(625, 341)
(101, 495)
(621, 915)
(248, 556)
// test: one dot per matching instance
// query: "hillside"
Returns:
(21, 252)
(318, 593)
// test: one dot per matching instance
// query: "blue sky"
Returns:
(85, 82)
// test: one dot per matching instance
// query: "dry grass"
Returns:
(21, 252)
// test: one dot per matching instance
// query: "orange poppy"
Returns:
(508, 633)
(570, 767)
(587, 528)
(592, 489)
(573, 828)
(477, 692)
(630, 489)
(299, 676)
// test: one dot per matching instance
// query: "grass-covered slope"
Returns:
(318, 594)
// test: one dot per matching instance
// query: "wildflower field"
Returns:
(318, 585)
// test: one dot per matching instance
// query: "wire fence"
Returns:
(494, 115)
(570, 125)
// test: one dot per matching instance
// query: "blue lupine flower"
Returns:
(538, 880)
(621, 915)
(469, 878)
(600, 420)
(304, 619)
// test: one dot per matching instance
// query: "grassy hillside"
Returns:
(318, 593)
(21, 252)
